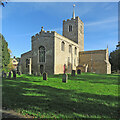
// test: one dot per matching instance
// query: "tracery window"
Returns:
(41, 54)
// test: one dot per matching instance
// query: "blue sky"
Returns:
(21, 20)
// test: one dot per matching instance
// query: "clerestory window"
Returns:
(63, 46)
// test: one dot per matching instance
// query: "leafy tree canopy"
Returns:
(5, 53)
(115, 60)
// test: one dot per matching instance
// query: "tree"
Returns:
(10, 65)
(5, 54)
(115, 60)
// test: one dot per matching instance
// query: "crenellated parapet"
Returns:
(76, 19)
(43, 33)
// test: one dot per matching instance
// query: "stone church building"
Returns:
(51, 52)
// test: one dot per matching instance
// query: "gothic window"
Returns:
(75, 62)
(70, 28)
(27, 63)
(75, 51)
(68, 61)
(81, 29)
(42, 54)
(70, 48)
(63, 46)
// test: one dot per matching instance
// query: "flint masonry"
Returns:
(52, 51)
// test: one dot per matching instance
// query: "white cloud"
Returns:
(109, 20)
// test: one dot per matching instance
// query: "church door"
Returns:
(41, 69)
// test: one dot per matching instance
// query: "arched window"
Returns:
(75, 62)
(42, 54)
(63, 46)
(70, 28)
(81, 29)
(75, 51)
(70, 48)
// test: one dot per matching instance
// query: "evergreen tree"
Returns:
(115, 60)
(5, 53)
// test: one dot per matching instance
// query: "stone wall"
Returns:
(25, 56)
(97, 61)
(45, 39)
(77, 33)
(61, 57)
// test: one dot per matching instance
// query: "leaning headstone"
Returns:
(78, 71)
(65, 78)
(14, 74)
(44, 76)
(73, 73)
(19, 73)
(38, 74)
(35, 74)
(5, 75)
(2, 74)
(9, 76)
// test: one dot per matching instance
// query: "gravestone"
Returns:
(78, 71)
(65, 78)
(38, 74)
(14, 74)
(19, 73)
(73, 73)
(2, 74)
(5, 75)
(9, 76)
(44, 76)
(35, 74)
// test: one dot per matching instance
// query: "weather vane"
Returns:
(73, 11)
(73, 5)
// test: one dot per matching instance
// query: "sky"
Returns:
(22, 20)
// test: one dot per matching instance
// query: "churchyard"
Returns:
(85, 95)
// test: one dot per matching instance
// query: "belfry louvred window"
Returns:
(70, 28)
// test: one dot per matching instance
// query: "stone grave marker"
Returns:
(38, 74)
(78, 71)
(2, 74)
(73, 73)
(65, 78)
(9, 76)
(35, 74)
(14, 74)
(5, 75)
(44, 76)
(19, 73)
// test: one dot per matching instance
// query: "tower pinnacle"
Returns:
(73, 11)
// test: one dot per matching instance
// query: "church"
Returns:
(52, 52)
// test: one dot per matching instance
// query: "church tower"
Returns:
(74, 30)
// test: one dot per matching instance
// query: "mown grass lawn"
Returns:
(86, 95)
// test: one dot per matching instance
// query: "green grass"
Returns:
(86, 95)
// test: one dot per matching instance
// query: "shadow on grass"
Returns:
(53, 101)
(96, 79)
